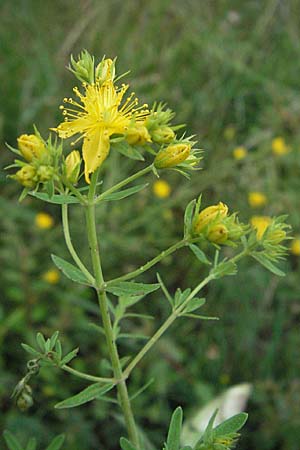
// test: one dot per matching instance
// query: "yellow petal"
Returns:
(68, 129)
(95, 150)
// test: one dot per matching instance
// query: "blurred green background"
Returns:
(230, 70)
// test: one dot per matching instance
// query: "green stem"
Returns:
(75, 191)
(104, 309)
(86, 376)
(123, 183)
(150, 263)
(176, 312)
(66, 230)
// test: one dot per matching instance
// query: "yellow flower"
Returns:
(240, 152)
(257, 199)
(279, 146)
(295, 247)
(52, 276)
(208, 215)
(161, 189)
(172, 155)
(44, 221)
(31, 146)
(97, 116)
(260, 223)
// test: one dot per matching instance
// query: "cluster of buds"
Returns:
(269, 233)
(216, 225)
(38, 167)
(84, 68)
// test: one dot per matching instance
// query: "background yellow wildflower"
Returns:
(44, 221)
(52, 276)
(257, 199)
(279, 146)
(240, 152)
(295, 246)
(161, 189)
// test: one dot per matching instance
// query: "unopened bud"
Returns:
(105, 71)
(25, 400)
(138, 135)
(208, 215)
(31, 146)
(72, 165)
(276, 237)
(172, 156)
(163, 135)
(26, 176)
(44, 173)
(218, 234)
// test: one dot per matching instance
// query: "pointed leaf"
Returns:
(124, 193)
(69, 270)
(57, 442)
(31, 350)
(126, 445)
(66, 359)
(120, 288)
(126, 150)
(88, 394)
(260, 257)
(194, 304)
(200, 255)
(188, 217)
(173, 440)
(41, 342)
(231, 425)
(11, 441)
(58, 199)
(31, 444)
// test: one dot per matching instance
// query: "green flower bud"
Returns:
(31, 146)
(72, 166)
(105, 70)
(26, 176)
(218, 234)
(172, 156)
(25, 400)
(163, 135)
(44, 173)
(208, 215)
(138, 135)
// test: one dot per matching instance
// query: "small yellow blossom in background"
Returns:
(279, 146)
(229, 133)
(257, 199)
(295, 246)
(260, 223)
(240, 153)
(52, 276)
(161, 189)
(44, 221)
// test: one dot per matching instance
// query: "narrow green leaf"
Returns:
(194, 304)
(124, 193)
(58, 349)
(11, 441)
(197, 316)
(207, 436)
(165, 290)
(188, 217)
(126, 445)
(173, 440)
(31, 350)
(88, 394)
(200, 255)
(260, 257)
(142, 389)
(120, 288)
(231, 425)
(57, 442)
(53, 339)
(58, 199)
(31, 444)
(66, 359)
(41, 342)
(69, 270)
(125, 149)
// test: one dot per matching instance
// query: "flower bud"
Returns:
(172, 156)
(105, 71)
(218, 234)
(208, 215)
(260, 223)
(31, 146)
(72, 166)
(138, 135)
(25, 400)
(44, 173)
(276, 237)
(163, 135)
(26, 176)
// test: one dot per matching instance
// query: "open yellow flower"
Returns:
(99, 114)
